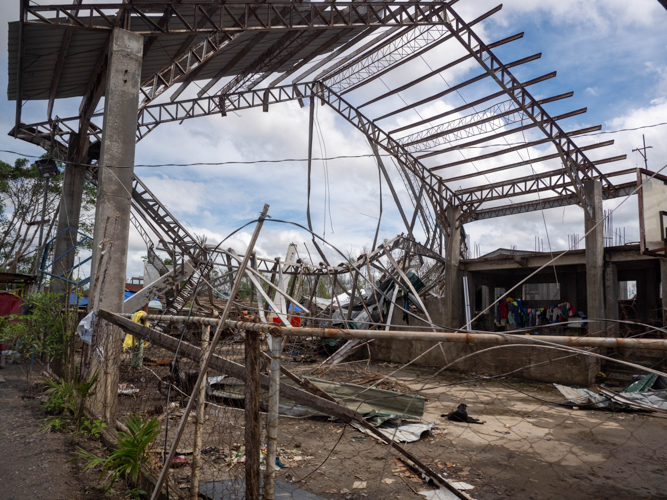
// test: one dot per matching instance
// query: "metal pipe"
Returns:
(207, 360)
(272, 419)
(416, 336)
(199, 421)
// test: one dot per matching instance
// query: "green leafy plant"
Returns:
(92, 428)
(46, 329)
(126, 461)
(53, 424)
(68, 399)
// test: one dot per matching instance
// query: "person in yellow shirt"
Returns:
(134, 345)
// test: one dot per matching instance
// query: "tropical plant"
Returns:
(132, 452)
(68, 399)
(46, 329)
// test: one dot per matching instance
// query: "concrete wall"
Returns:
(526, 362)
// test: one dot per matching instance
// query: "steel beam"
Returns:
(436, 71)
(192, 17)
(410, 46)
(546, 203)
(578, 165)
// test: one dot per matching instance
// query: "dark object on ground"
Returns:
(461, 415)
(234, 489)
(181, 381)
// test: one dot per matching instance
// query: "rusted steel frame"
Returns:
(438, 70)
(560, 183)
(159, 214)
(389, 144)
(503, 134)
(552, 181)
(513, 149)
(353, 295)
(365, 49)
(273, 282)
(499, 116)
(238, 371)
(405, 42)
(411, 54)
(253, 41)
(454, 88)
(308, 58)
(58, 68)
(153, 115)
(625, 189)
(288, 46)
(313, 292)
(340, 50)
(244, 16)
(472, 104)
(184, 66)
(578, 163)
(552, 178)
(334, 296)
(524, 163)
(371, 280)
(557, 181)
(497, 111)
(393, 192)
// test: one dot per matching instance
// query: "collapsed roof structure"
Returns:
(143, 56)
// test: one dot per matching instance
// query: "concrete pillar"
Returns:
(594, 256)
(663, 286)
(68, 217)
(113, 204)
(453, 287)
(611, 297)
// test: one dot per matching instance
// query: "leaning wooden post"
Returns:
(207, 359)
(252, 438)
(199, 421)
(272, 419)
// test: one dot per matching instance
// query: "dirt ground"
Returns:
(35, 465)
(529, 447)
(526, 449)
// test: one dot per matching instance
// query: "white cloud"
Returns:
(594, 91)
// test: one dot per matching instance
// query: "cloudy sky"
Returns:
(611, 53)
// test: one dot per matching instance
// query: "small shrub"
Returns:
(53, 424)
(132, 452)
(92, 428)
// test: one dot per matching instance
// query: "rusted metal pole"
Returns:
(438, 336)
(252, 438)
(199, 422)
(207, 359)
(272, 418)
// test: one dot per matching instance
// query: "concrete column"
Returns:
(611, 297)
(663, 286)
(453, 287)
(594, 256)
(68, 216)
(114, 202)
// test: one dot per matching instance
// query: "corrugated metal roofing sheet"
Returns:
(42, 46)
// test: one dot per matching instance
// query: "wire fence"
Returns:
(522, 441)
